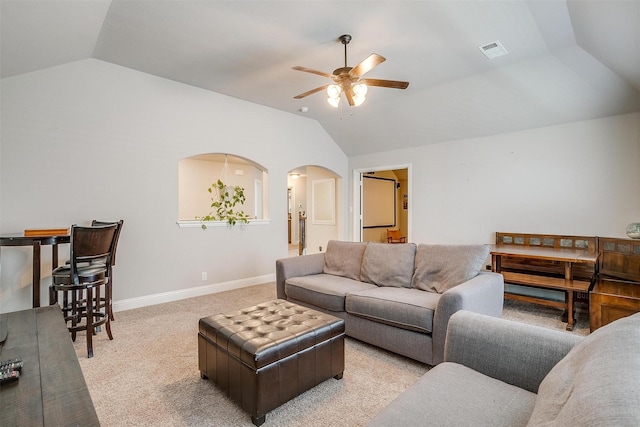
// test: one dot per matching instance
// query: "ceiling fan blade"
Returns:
(367, 64)
(394, 84)
(312, 71)
(312, 91)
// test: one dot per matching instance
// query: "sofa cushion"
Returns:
(404, 308)
(388, 265)
(454, 395)
(441, 267)
(344, 258)
(597, 382)
(323, 290)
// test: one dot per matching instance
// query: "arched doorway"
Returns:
(315, 209)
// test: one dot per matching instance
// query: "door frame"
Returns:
(357, 197)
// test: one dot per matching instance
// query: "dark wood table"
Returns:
(19, 239)
(51, 390)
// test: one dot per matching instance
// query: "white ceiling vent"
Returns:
(493, 50)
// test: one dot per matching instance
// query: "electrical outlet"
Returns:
(320, 248)
(204, 275)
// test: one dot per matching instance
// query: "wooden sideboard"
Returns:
(51, 390)
(546, 261)
(616, 291)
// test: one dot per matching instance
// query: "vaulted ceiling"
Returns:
(568, 60)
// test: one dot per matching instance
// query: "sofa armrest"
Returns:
(481, 294)
(513, 352)
(296, 267)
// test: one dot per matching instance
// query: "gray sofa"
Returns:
(503, 373)
(395, 296)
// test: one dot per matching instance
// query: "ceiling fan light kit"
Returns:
(348, 80)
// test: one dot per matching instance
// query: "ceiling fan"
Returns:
(348, 80)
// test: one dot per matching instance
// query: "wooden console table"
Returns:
(546, 262)
(51, 390)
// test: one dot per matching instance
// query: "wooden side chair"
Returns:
(395, 236)
(81, 280)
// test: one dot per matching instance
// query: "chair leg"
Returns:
(109, 296)
(108, 328)
(107, 309)
(53, 296)
(75, 311)
(90, 328)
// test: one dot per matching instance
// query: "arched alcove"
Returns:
(197, 173)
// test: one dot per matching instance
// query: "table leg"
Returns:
(36, 275)
(496, 263)
(54, 256)
(568, 277)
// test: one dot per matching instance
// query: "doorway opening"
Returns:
(314, 209)
(381, 202)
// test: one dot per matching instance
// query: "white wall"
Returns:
(95, 140)
(579, 178)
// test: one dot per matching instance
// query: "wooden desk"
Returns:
(567, 284)
(16, 239)
(51, 390)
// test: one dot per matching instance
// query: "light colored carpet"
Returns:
(148, 375)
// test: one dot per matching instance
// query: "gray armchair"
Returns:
(503, 373)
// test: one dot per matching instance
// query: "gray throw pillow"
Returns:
(441, 267)
(344, 258)
(597, 383)
(389, 265)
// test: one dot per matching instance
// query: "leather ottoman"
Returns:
(265, 355)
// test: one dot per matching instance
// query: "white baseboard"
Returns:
(154, 299)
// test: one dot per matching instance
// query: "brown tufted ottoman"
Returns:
(265, 355)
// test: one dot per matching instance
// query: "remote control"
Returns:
(11, 364)
(9, 376)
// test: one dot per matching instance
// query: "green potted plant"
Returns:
(225, 199)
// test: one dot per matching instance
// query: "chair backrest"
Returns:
(394, 235)
(95, 222)
(91, 243)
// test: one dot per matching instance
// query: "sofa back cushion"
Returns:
(344, 258)
(596, 383)
(441, 267)
(389, 265)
